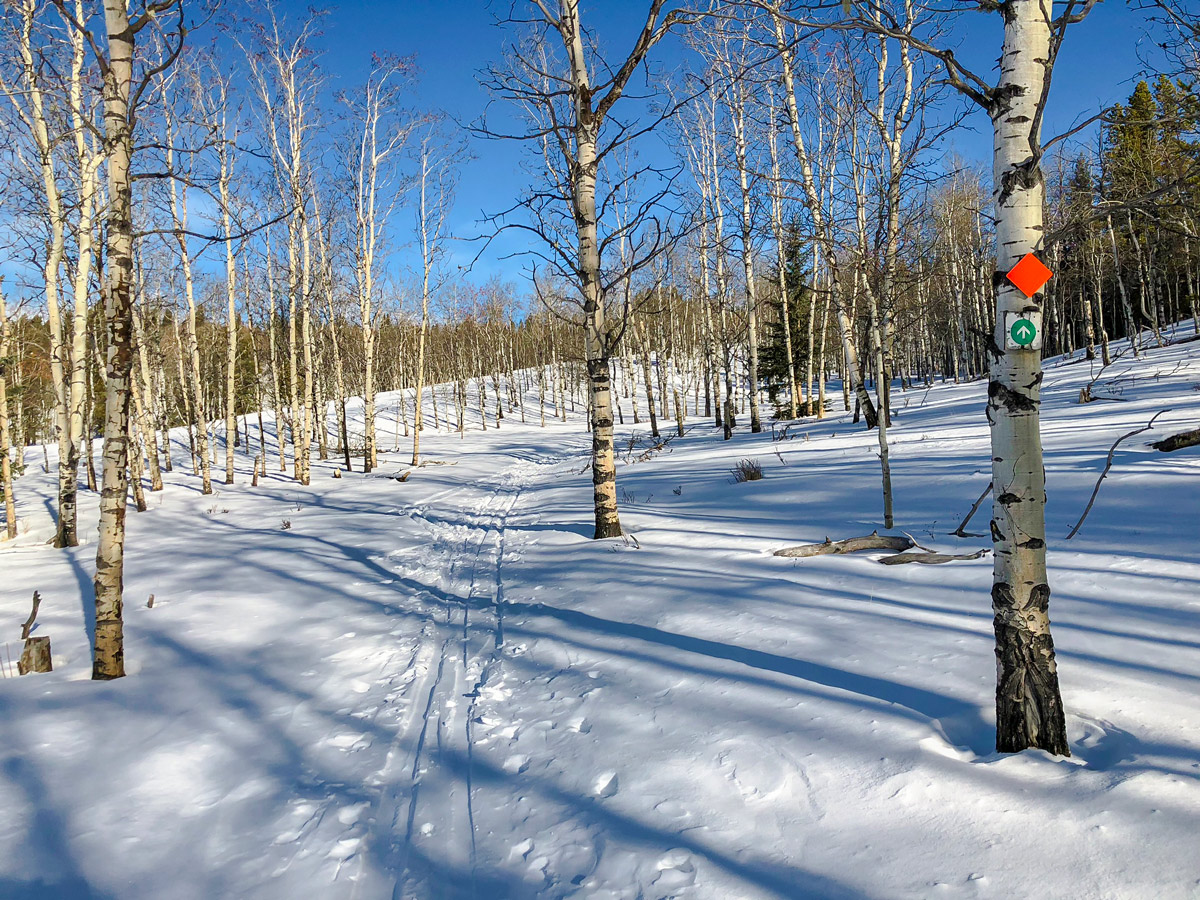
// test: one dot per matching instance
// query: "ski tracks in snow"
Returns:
(425, 820)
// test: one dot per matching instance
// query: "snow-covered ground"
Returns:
(443, 688)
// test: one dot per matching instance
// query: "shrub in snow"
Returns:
(747, 470)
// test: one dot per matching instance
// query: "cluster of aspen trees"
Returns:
(208, 235)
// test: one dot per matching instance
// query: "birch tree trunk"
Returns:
(424, 224)
(738, 119)
(68, 360)
(178, 201)
(306, 337)
(1029, 711)
(145, 411)
(644, 351)
(781, 259)
(224, 151)
(586, 131)
(6, 477)
(821, 230)
(109, 652)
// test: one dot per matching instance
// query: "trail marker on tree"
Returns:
(1023, 330)
(1029, 275)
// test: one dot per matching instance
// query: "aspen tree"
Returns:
(273, 356)
(286, 79)
(382, 133)
(6, 475)
(144, 395)
(822, 229)
(435, 187)
(68, 354)
(178, 201)
(777, 228)
(1029, 710)
(734, 95)
(225, 156)
(580, 138)
(121, 95)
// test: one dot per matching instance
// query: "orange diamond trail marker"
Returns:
(1029, 275)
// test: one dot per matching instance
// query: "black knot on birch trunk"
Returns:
(1026, 175)
(1013, 401)
(1039, 599)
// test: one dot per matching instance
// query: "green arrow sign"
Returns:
(1023, 332)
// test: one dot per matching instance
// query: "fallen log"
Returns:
(1178, 441)
(929, 558)
(872, 541)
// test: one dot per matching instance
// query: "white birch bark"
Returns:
(6, 475)
(1028, 706)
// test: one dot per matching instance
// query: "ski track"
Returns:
(429, 807)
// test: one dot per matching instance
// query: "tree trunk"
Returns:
(6, 477)
(109, 658)
(231, 316)
(648, 381)
(144, 411)
(1029, 711)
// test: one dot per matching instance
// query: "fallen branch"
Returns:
(958, 532)
(28, 626)
(1108, 465)
(929, 558)
(1178, 441)
(872, 541)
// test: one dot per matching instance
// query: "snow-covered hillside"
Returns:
(442, 687)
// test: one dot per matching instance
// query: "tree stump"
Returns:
(35, 657)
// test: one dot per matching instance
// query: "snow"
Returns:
(444, 688)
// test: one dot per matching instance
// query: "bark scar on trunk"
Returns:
(1029, 678)
(1025, 175)
(1013, 401)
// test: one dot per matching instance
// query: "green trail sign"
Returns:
(1023, 330)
